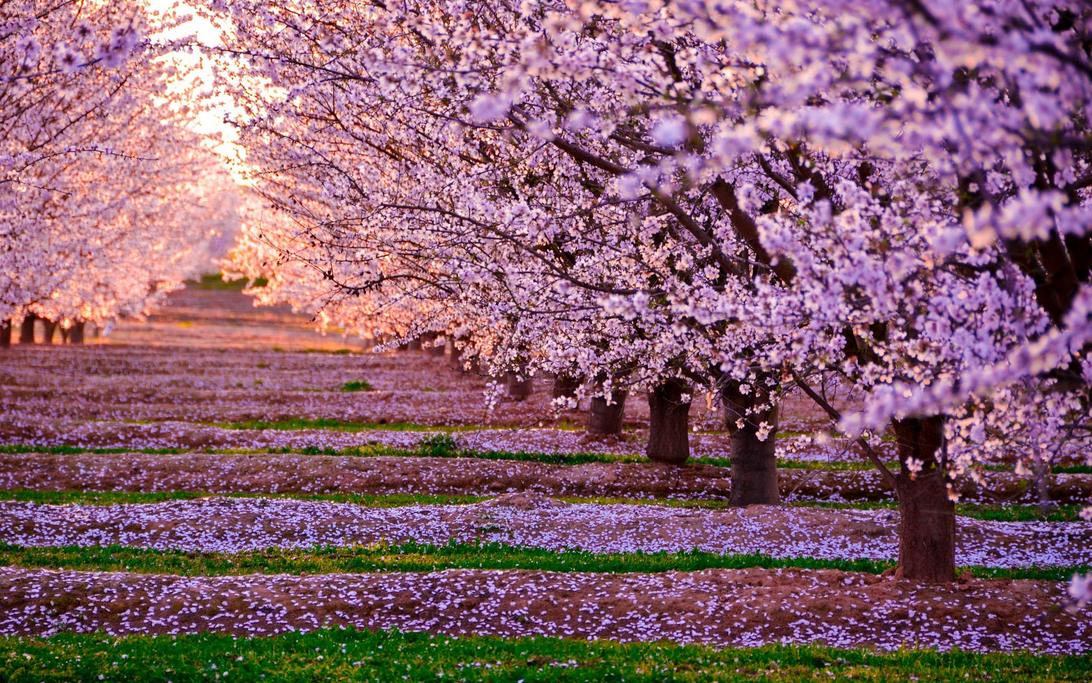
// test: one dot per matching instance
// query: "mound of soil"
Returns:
(721, 607)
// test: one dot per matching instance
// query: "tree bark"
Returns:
(565, 387)
(669, 429)
(754, 461)
(5, 334)
(457, 354)
(26, 332)
(435, 350)
(607, 419)
(927, 529)
(49, 327)
(519, 386)
(413, 345)
(75, 335)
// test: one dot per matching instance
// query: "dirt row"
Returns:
(721, 607)
(287, 473)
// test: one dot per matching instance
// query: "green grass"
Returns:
(429, 448)
(1072, 469)
(357, 385)
(997, 513)
(993, 513)
(214, 281)
(344, 426)
(441, 445)
(414, 557)
(130, 497)
(351, 655)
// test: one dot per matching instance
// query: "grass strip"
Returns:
(439, 446)
(416, 557)
(995, 513)
(343, 426)
(352, 655)
(445, 446)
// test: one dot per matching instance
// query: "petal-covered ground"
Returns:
(289, 473)
(721, 607)
(233, 525)
(177, 380)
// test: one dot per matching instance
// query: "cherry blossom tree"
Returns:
(103, 178)
(877, 190)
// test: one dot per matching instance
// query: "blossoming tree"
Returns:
(104, 181)
(749, 196)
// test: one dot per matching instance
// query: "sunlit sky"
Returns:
(209, 121)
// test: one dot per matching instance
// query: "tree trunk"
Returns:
(5, 334)
(413, 345)
(457, 353)
(75, 335)
(927, 529)
(607, 419)
(565, 387)
(519, 386)
(669, 429)
(754, 460)
(48, 326)
(26, 332)
(435, 350)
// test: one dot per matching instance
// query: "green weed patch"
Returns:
(352, 655)
(415, 557)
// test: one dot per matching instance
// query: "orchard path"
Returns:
(211, 397)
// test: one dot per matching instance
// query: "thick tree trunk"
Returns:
(565, 387)
(413, 345)
(519, 386)
(669, 430)
(607, 419)
(26, 332)
(927, 530)
(5, 334)
(75, 335)
(435, 350)
(754, 460)
(49, 328)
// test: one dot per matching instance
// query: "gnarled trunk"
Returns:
(668, 429)
(754, 460)
(927, 528)
(604, 418)
(519, 386)
(48, 326)
(5, 334)
(26, 332)
(75, 334)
